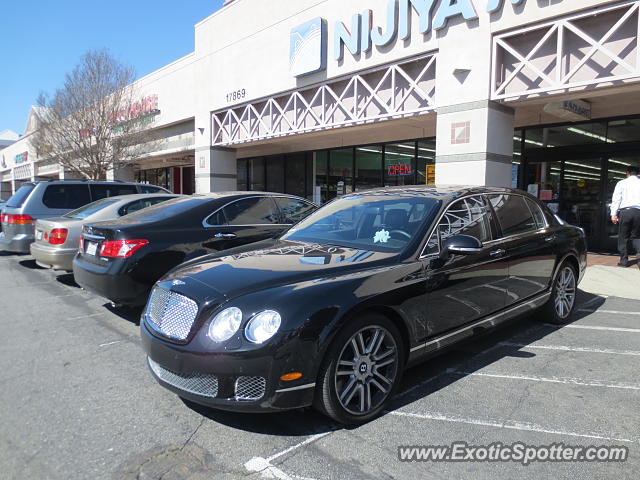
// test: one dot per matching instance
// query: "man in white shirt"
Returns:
(625, 210)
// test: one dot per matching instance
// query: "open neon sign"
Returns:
(397, 170)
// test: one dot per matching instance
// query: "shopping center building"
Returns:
(324, 97)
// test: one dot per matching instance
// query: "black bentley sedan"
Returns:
(122, 259)
(333, 311)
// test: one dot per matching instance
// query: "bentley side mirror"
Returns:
(461, 245)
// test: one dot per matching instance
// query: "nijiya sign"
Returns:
(309, 41)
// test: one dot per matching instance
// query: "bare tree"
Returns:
(94, 122)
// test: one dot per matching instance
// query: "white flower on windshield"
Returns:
(382, 236)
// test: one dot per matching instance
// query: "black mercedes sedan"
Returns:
(122, 259)
(332, 312)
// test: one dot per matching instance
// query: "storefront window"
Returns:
(257, 174)
(242, 174)
(426, 162)
(560, 136)
(516, 166)
(275, 174)
(623, 130)
(368, 167)
(321, 192)
(543, 182)
(340, 172)
(296, 174)
(400, 163)
(155, 176)
(322, 175)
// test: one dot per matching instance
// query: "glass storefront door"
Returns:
(573, 189)
(581, 198)
(340, 172)
(616, 171)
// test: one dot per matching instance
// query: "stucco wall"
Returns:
(246, 45)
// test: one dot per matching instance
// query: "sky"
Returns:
(41, 40)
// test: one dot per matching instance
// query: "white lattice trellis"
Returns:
(399, 90)
(586, 50)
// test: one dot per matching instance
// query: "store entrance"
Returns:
(579, 188)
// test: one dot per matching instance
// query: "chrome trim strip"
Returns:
(95, 238)
(466, 250)
(480, 322)
(299, 387)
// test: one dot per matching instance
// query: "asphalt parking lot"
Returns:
(77, 400)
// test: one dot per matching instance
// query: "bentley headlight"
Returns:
(263, 326)
(225, 324)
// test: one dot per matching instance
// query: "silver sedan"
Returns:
(57, 238)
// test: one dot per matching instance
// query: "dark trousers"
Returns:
(629, 230)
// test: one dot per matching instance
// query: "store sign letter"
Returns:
(496, 5)
(363, 34)
(423, 8)
(364, 30)
(348, 38)
(452, 8)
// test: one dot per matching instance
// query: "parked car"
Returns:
(36, 200)
(122, 259)
(332, 312)
(57, 238)
(2, 204)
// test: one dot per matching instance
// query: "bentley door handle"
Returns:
(550, 238)
(225, 235)
(498, 253)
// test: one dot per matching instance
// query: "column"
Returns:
(216, 170)
(475, 144)
(216, 167)
(68, 174)
(124, 173)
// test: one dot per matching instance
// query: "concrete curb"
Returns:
(612, 281)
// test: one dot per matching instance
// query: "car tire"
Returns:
(560, 306)
(370, 353)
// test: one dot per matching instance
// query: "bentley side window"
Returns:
(469, 216)
(538, 216)
(513, 214)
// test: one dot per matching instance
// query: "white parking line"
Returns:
(572, 349)
(510, 425)
(607, 329)
(267, 470)
(86, 316)
(566, 381)
(612, 312)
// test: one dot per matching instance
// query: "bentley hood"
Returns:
(283, 262)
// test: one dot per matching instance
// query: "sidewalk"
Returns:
(604, 277)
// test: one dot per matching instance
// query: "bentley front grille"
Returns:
(170, 313)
